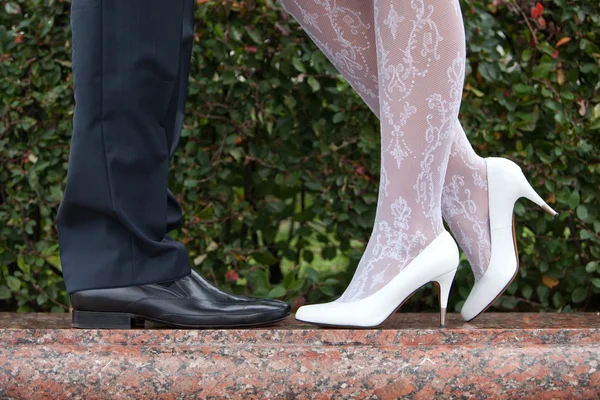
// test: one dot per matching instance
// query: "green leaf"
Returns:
(56, 193)
(13, 283)
(314, 84)
(331, 281)
(23, 266)
(509, 302)
(312, 275)
(298, 65)
(489, 71)
(585, 234)
(545, 47)
(521, 88)
(574, 199)
(543, 292)
(296, 286)
(476, 92)
(339, 117)
(596, 282)
(237, 153)
(459, 306)
(582, 213)
(254, 35)
(12, 8)
(542, 70)
(595, 112)
(308, 256)
(277, 291)
(290, 102)
(355, 254)
(288, 279)
(579, 295)
(327, 290)
(527, 291)
(557, 300)
(5, 293)
(264, 257)
(592, 266)
(41, 299)
(594, 126)
(329, 253)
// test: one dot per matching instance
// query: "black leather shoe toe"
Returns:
(197, 286)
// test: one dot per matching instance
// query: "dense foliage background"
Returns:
(278, 165)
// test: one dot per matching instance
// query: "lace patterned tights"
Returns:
(406, 59)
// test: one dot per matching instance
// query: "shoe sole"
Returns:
(104, 320)
(511, 280)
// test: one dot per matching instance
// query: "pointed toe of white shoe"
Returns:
(337, 314)
(485, 291)
(313, 314)
(506, 184)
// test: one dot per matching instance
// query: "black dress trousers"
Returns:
(130, 67)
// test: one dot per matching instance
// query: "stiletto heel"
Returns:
(506, 184)
(529, 193)
(444, 283)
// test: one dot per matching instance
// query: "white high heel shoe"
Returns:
(506, 184)
(436, 263)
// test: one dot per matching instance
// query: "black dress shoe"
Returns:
(190, 302)
(199, 287)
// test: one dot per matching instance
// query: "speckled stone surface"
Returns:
(527, 356)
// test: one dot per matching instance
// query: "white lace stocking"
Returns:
(420, 48)
(465, 202)
(343, 30)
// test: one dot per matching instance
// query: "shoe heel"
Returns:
(529, 192)
(444, 283)
(101, 320)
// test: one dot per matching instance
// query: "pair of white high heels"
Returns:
(439, 260)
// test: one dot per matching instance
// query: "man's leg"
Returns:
(177, 109)
(130, 66)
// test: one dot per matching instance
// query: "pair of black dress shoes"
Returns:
(191, 302)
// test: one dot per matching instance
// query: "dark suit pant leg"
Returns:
(129, 58)
(177, 108)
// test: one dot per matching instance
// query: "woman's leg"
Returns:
(345, 31)
(420, 56)
(465, 203)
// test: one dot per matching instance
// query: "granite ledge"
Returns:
(499, 356)
(516, 329)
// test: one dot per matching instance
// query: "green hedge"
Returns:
(277, 170)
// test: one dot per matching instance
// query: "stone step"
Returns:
(541, 356)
